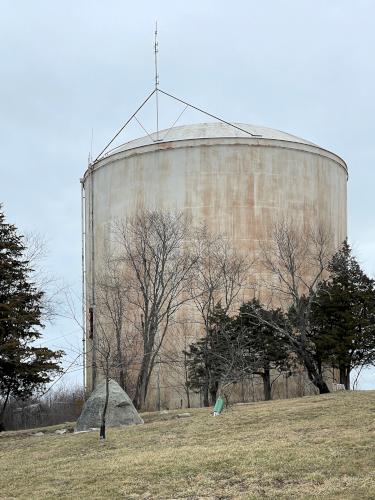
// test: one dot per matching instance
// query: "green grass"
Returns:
(313, 447)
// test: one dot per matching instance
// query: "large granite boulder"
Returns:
(120, 409)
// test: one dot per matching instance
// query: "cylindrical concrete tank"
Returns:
(235, 183)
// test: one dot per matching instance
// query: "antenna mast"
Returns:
(156, 50)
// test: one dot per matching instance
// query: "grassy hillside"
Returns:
(314, 447)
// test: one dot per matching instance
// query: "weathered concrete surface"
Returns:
(120, 409)
(234, 183)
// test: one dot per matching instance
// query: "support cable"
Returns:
(207, 113)
(174, 123)
(143, 128)
(187, 105)
(122, 128)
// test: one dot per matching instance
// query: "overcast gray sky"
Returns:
(302, 66)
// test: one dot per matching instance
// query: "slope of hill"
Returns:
(313, 447)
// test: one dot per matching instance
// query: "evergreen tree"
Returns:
(206, 358)
(343, 315)
(252, 343)
(23, 366)
(266, 340)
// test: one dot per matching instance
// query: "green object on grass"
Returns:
(219, 405)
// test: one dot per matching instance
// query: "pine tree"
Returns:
(267, 343)
(251, 343)
(344, 316)
(206, 357)
(23, 366)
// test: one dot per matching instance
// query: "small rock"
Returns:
(183, 415)
(91, 429)
(60, 431)
(38, 434)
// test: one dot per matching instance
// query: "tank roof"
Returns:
(214, 130)
(257, 135)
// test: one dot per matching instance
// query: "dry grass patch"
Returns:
(314, 447)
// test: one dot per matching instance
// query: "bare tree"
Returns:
(153, 248)
(36, 251)
(234, 358)
(175, 357)
(239, 347)
(106, 359)
(295, 262)
(112, 307)
(221, 275)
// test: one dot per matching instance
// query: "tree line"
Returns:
(328, 320)
(312, 306)
(167, 289)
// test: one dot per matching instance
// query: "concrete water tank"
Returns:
(236, 183)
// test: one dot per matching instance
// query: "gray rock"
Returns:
(120, 409)
(183, 415)
(38, 434)
(60, 431)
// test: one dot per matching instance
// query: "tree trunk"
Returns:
(206, 399)
(345, 377)
(322, 386)
(206, 385)
(102, 426)
(214, 386)
(122, 379)
(186, 385)
(286, 386)
(312, 369)
(266, 376)
(242, 391)
(188, 397)
(158, 399)
(120, 361)
(142, 382)
(318, 381)
(2, 411)
(140, 391)
(2, 426)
